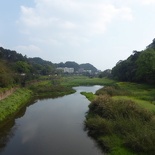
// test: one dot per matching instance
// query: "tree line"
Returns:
(138, 67)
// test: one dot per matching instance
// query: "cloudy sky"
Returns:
(100, 32)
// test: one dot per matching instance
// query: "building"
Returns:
(66, 69)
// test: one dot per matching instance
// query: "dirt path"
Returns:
(7, 93)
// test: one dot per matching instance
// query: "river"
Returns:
(51, 127)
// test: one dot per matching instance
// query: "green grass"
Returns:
(13, 103)
(85, 81)
(90, 96)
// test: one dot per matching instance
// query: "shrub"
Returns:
(98, 125)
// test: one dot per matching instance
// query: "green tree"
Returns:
(6, 75)
(22, 67)
(146, 66)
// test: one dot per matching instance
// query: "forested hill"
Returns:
(14, 67)
(76, 66)
(138, 67)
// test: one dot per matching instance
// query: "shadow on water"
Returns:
(7, 131)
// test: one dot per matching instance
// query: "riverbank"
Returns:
(121, 119)
(12, 104)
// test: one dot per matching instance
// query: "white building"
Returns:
(66, 69)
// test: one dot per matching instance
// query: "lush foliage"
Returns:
(17, 69)
(6, 75)
(139, 67)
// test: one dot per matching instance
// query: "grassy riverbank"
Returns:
(13, 103)
(122, 119)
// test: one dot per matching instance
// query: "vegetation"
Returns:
(12, 104)
(85, 81)
(122, 120)
(139, 67)
(90, 96)
(50, 88)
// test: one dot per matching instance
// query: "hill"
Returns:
(76, 66)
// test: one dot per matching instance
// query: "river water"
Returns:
(50, 127)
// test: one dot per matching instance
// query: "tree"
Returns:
(6, 76)
(146, 66)
(22, 67)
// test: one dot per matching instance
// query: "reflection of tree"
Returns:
(93, 138)
(6, 134)
(8, 130)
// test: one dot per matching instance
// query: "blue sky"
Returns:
(100, 32)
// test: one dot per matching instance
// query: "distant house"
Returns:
(66, 69)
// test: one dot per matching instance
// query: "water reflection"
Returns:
(8, 130)
(52, 126)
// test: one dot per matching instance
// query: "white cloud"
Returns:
(79, 18)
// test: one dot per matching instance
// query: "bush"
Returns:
(98, 125)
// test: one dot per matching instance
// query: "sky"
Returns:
(100, 32)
